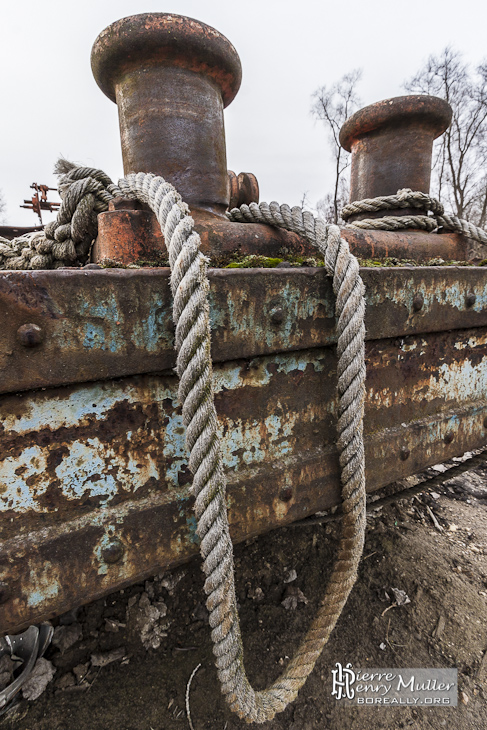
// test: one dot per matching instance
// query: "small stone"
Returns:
(80, 671)
(101, 659)
(401, 597)
(464, 698)
(170, 580)
(292, 597)
(382, 646)
(113, 626)
(256, 594)
(143, 618)
(290, 576)
(439, 628)
(65, 636)
(40, 677)
(67, 680)
(7, 664)
(5, 679)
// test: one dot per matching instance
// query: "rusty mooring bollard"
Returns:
(171, 77)
(391, 144)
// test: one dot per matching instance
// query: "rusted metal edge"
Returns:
(129, 236)
(50, 570)
(63, 327)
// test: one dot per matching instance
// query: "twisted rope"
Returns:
(406, 198)
(190, 288)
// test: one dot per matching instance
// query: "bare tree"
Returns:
(460, 155)
(333, 106)
(328, 206)
(3, 207)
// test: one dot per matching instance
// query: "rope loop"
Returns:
(87, 191)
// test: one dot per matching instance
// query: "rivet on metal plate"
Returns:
(30, 335)
(113, 552)
(277, 316)
(418, 301)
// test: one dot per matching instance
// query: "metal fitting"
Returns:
(113, 552)
(448, 437)
(277, 315)
(286, 494)
(418, 302)
(30, 335)
(404, 453)
(470, 299)
(244, 189)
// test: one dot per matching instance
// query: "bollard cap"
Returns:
(421, 110)
(165, 38)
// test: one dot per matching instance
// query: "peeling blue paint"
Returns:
(47, 587)
(244, 314)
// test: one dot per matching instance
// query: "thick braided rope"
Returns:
(190, 288)
(406, 198)
(85, 192)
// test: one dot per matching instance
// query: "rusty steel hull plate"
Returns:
(112, 323)
(99, 469)
(94, 484)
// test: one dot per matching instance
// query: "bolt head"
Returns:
(286, 494)
(4, 592)
(113, 552)
(30, 335)
(418, 302)
(448, 437)
(470, 299)
(404, 453)
(277, 315)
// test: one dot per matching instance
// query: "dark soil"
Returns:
(443, 572)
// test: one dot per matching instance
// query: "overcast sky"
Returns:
(52, 105)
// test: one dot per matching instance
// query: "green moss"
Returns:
(156, 263)
(111, 264)
(255, 261)
(139, 264)
(392, 261)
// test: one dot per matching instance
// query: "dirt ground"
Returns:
(106, 679)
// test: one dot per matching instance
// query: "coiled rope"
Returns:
(85, 192)
(67, 241)
(432, 217)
